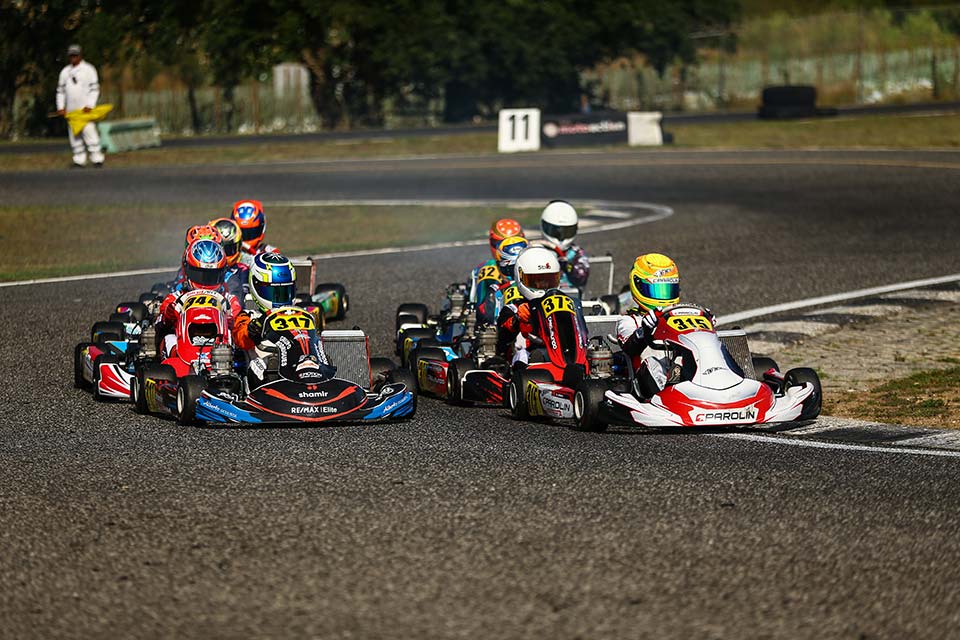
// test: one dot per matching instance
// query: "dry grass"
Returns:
(123, 237)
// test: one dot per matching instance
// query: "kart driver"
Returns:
(249, 216)
(273, 284)
(558, 222)
(489, 287)
(654, 285)
(537, 270)
(235, 275)
(203, 268)
(196, 232)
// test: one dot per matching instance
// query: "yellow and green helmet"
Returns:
(655, 281)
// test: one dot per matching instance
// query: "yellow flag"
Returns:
(78, 119)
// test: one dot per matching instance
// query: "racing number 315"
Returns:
(690, 324)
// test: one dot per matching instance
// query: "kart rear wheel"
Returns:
(416, 309)
(813, 403)
(151, 371)
(188, 391)
(516, 394)
(419, 353)
(103, 358)
(762, 364)
(416, 334)
(78, 380)
(341, 293)
(586, 406)
(455, 370)
(103, 331)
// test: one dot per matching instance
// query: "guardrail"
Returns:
(127, 135)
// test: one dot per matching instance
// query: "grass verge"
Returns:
(927, 398)
(902, 132)
(107, 238)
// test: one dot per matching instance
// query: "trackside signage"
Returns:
(609, 127)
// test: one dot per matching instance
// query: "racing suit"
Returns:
(78, 87)
(515, 328)
(169, 315)
(248, 335)
(574, 266)
(653, 369)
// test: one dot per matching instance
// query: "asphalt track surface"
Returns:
(462, 522)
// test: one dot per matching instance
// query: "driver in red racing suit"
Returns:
(537, 270)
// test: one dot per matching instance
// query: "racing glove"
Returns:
(255, 329)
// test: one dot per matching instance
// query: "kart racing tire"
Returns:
(516, 393)
(188, 391)
(103, 358)
(138, 384)
(800, 376)
(420, 310)
(78, 380)
(586, 406)
(761, 365)
(342, 296)
(380, 367)
(407, 318)
(422, 333)
(105, 331)
(455, 370)
(118, 316)
(418, 353)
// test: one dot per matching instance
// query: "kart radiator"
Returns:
(601, 326)
(349, 352)
(735, 340)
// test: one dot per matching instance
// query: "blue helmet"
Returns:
(273, 281)
(204, 264)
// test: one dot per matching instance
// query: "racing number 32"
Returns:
(693, 323)
(556, 303)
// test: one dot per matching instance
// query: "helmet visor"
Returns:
(252, 233)
(230, 249)
(657, 290)
(203, 277)
(541, 281)
(279, 294)
(560, 232)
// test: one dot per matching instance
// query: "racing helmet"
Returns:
(655, 281)
(204, 264)
(558, 222)
(199, 231)
(507, 252)
(273, 281)
(537, 270)
(230, 234)
(502, 229)
(248, 214)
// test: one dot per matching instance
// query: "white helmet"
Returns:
(559, 223)
(536, 271)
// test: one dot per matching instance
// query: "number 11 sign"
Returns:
(519, 130)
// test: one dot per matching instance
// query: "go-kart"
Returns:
(706, 384)
(287, 381)
(562, 357)
(105, 364)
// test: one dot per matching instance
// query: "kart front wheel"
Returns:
(813, 403)
(340, 293)
(517, 393)
(188, 392)
(586, 406)
(78, 380)
(455, 370)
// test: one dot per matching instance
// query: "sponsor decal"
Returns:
(745, 414)
(304, 395)
(557, 407)
(312, 410)
(220, 408)
(431, 373)
(712, 370)
(534, 404)
(310, 374)
(685, 311)
(552, 129)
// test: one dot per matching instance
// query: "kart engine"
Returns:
(600, 358)
(486, 343)
(148, 342)
(222, 376)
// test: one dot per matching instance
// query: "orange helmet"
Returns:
(230, 232)
(200, 232)
(248, 214)
(502, 229)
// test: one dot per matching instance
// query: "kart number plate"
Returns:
(511, 294)
(292, 321)
(690, 323)
(200, 301)
(489, 272)
(553, 304)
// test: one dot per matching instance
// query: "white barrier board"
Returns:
(519, 130)
(643, 128)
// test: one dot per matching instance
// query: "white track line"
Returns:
(658, 212)
(813, 444)
(838, 297)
